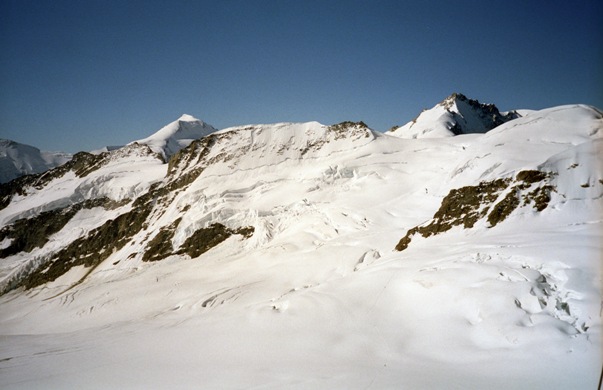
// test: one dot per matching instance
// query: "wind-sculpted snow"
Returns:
(264, 256)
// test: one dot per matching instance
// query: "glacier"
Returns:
(295, 280)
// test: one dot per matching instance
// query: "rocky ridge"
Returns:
(278, 237)
(455, 115)
(492, 201)
(226, 149)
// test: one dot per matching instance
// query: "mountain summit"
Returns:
(455, 115)
(302, 255)
(177, 135)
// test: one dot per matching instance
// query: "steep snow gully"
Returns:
(462, 250)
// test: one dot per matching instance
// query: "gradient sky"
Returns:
(79, 75)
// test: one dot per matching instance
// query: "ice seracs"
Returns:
(264, 256)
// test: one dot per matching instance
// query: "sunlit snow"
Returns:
(318, 297)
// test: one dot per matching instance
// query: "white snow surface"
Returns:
(129, 172)
(18, 159)
(177, 135)
(318, 297)
(454, 112)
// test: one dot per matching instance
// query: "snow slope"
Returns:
(19, 159)
(317, 296)
(453, 116)
(177, 135)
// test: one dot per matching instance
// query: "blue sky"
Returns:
(78, 75)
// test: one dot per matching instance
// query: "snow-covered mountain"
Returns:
(177, 135)
(18, 159)
(301, 255)
(453, 116)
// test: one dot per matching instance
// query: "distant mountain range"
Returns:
(455, 115)
(19, 159)
(462, 249)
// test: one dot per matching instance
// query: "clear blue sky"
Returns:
(78, 75)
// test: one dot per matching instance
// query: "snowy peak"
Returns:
(247, 147)
(188, 118)
(451, 101)
(18, 159)
(177, 135)
(471, 116)
(255, 232)
(455, 115)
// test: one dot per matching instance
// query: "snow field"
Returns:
(317, 297)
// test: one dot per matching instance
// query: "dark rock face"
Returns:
(98, 244)
(29, 233)
(456, 115)
(91, 249)
(206, 238)
(160, 246)
(467, 205)
(488, 114)
(82, 164)
(198, 243)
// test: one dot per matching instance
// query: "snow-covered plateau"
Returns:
(460, 251)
